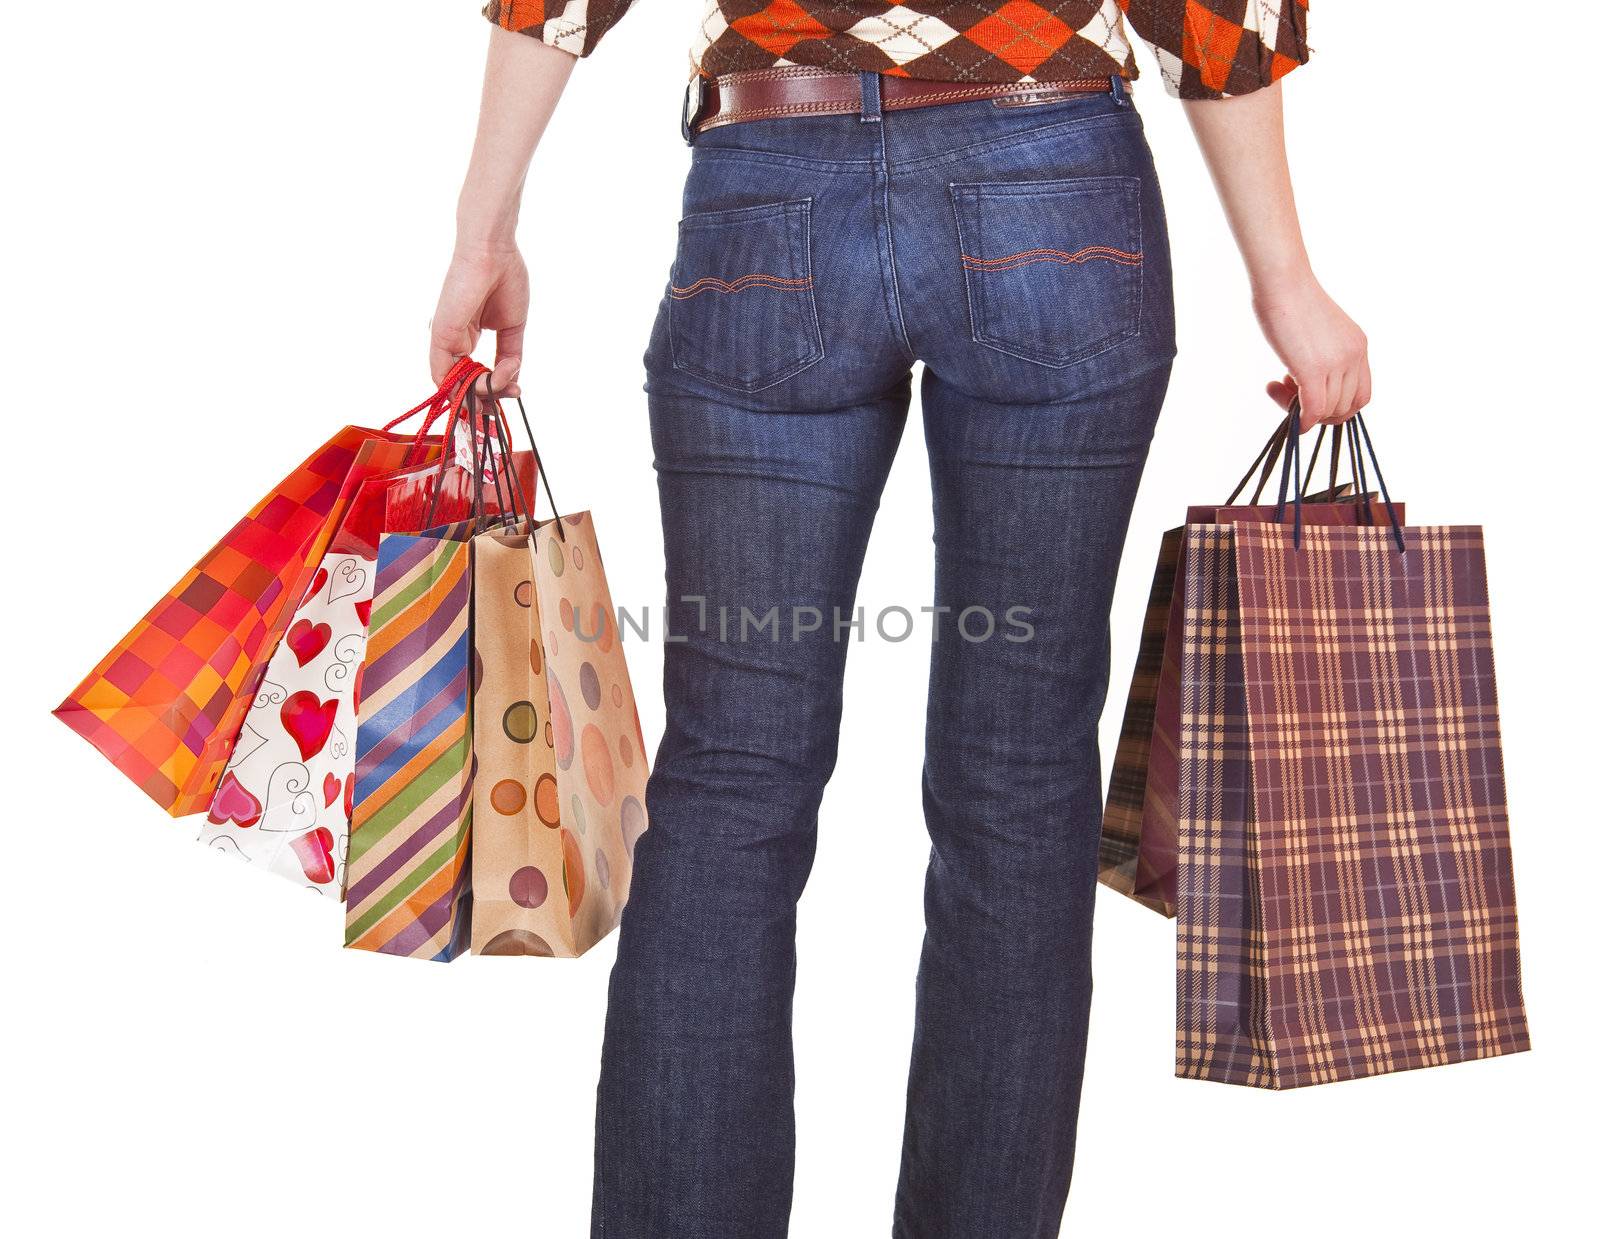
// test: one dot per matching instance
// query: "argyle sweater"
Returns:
(1207, 49)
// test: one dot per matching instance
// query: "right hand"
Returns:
(484, 290)
(1324, 349)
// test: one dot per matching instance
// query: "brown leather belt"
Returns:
(798, 90)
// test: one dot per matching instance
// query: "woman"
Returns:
(962, 183)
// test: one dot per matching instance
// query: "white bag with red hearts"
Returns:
(283, 803)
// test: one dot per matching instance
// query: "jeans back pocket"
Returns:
(741, 308)
(1052, 267)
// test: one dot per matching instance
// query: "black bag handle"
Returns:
(1383, 486)
(1357, 435)
(544, 476)
(1333, 460)
(1292, 424)
(1265, 459)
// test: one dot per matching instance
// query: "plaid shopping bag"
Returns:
(1138, 840)
(1135, 821)
(1345, 900)
(1343, 883)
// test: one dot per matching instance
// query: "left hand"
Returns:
(485, 289)
(1325, 351)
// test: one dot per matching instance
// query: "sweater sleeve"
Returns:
(1211, 49)
(572, 25)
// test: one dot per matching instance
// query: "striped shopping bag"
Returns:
(407, 891)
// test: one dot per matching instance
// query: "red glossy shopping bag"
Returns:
(166, 703)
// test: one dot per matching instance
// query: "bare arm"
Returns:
(486, 288)
(1323, 349)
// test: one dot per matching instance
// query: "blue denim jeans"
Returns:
(1020, 254)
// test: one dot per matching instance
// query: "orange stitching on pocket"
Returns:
(1087, 254)
(755, 279)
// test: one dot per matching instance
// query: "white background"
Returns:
(226, 226)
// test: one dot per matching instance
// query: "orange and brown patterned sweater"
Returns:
(1207, 49)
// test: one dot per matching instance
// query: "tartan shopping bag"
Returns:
(1343, 872)
(166, 703)
(1138, 841)
(559, 798)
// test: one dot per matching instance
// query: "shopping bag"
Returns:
(408, 889)
(559, 798)
(166, 703)
(281, 804)
(412, 798)
(1138, 841)
(1344, 890)
(285, 799)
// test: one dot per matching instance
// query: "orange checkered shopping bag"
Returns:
(165, 705)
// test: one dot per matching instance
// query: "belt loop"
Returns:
(1119, 91)
(694, 102)
(871, 98)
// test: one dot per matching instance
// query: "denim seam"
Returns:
(889, 271)
(1017, 139)
(764, 210)
(1052, 185)
(842, 167)
(963, 245)
(598, 1222)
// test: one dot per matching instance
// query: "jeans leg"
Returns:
(1031, 504)
(695, 1127)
